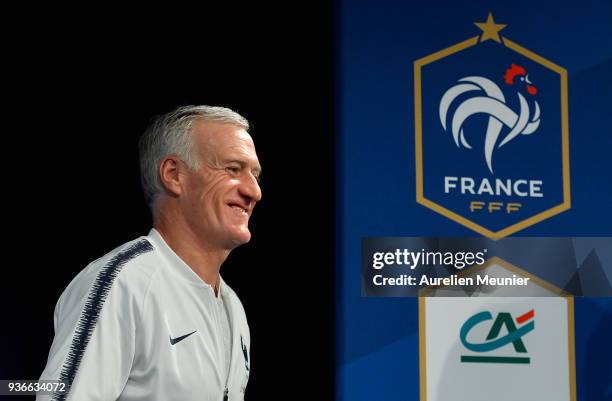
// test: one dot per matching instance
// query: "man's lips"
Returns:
(239, 207)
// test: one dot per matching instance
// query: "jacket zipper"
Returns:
(220, 335)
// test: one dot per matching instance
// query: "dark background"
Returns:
(80, 91)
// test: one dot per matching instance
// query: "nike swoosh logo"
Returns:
(181, 338)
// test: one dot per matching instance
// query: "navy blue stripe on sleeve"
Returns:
(93, 307)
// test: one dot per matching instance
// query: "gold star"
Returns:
(490, 30)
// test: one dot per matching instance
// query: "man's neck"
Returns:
(205, 260)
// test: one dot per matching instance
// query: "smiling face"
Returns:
(219, 196)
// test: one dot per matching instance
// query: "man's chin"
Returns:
(240, 238)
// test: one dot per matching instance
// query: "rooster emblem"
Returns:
(491, 101)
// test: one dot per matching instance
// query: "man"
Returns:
(153, 319)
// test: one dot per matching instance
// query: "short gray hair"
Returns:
(170, 134)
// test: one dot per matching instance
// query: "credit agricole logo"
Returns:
(503, 332)
(492, 133)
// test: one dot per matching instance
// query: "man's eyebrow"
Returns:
(244, 163)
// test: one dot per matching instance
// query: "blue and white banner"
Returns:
(468, 121)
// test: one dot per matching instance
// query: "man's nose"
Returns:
(250, 189)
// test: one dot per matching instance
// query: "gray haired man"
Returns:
(153, 319)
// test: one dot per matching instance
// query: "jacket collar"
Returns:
(179, 266)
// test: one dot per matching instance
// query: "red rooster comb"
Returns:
(512, 72)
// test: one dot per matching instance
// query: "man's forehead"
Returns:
(225, 140)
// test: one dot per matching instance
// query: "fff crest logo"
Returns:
(497, 338)
(492, 134)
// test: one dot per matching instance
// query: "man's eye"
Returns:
(233, 169)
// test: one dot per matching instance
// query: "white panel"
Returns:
(545, 378)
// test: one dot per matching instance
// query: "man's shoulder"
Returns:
(129, 266)
(129, 260)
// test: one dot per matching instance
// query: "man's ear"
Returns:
(170, 173)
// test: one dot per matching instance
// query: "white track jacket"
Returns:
(139, 325)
